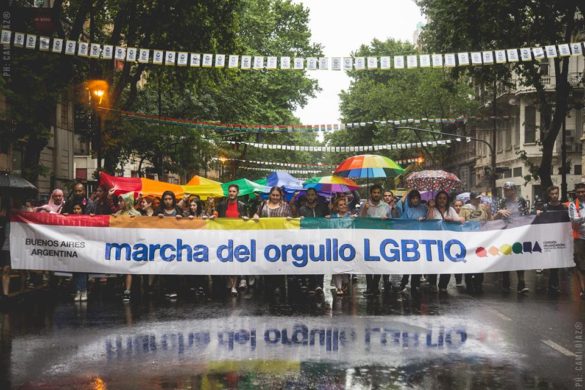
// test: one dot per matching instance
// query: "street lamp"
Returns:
(455, 136)
(97, 100)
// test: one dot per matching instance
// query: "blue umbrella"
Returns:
(284, 179)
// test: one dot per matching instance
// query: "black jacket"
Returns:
(222, 209)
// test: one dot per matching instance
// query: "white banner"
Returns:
(147, 245)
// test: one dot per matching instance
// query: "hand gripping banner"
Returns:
(148, 245)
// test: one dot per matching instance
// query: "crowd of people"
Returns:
(307, 204)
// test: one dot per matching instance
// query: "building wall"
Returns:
(518, 129)
(57, 156)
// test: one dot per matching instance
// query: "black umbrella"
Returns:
(13, 183)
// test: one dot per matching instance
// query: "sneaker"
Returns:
(77, 297)
(318, 291)
(126, 296)
(539, 271)
(234, 292)
(251, 281)
(523, 290)
(339, 292)
(171, 296)
(243, 285)
(83, 296)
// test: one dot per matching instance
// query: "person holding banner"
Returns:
(126, 207)
(340, 210)
(474, 211)
(55, 204)
(168, 208)
(78, 196)
(146, 209)
(577, 216)
(553, 205)
(512, 206)
(233, 208)
(413, 209)
(274, 207)
(103, 203)
(374, 207)
(79, 278)
(440, 209)
(313, 207)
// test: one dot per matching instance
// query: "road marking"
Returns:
(502, 316)
(559, 348)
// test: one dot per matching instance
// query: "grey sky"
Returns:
(341, 26)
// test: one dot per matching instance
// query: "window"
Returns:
(529, 124)
(517, 130)
(517, 172)
(508, 129)
(578, 170)
(64, 114)
(81, 173)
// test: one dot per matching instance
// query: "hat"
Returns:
(509, 185)
(474, 195)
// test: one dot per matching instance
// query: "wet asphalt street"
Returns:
(454, 341)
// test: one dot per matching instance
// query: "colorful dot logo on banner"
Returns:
(517, 248)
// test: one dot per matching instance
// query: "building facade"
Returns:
(518, 126)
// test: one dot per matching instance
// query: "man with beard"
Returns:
(374, 207)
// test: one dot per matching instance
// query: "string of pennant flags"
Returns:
(278, 164)
(264, 128)
(414, 160)
(341, 149)
(259, 62)
(297, 171)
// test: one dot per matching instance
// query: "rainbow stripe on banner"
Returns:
(147, 245)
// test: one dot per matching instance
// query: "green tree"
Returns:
(457, 25)
(199, 26)
(398, 94)
(268, 27)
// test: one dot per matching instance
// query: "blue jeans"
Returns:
(80, 281)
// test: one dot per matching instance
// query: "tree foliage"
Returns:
(456, 25)
(398, 94)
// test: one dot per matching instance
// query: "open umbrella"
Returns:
(433, 180)
(366, 166)
(331, 184)
(13, 183)
(284, 179)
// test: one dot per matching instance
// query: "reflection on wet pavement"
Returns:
(454, 342)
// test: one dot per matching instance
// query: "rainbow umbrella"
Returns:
(433, 180)
(366, 166)
(331, 184)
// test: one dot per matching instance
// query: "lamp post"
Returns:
(97, 99)
(489, 145)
